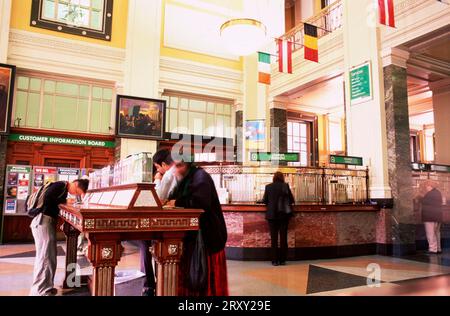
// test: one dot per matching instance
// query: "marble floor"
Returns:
(369, 275)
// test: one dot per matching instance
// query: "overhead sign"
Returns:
(361, 84)
(346, 160)
(61, 140)
(282, 157)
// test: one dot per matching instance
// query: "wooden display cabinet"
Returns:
(127, 212)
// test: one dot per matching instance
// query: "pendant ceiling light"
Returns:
(243, 36)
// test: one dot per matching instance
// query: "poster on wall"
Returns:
(68, 174)
(17, 189)
(361, 84)
(255, 134)
(44, 175)
(140, 117)
(7, 77)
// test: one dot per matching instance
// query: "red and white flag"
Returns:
(284, 56)
(386, 12)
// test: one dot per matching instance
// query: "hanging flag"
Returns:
(284, 56)
(311, 43)
(264, 70)
(386, 12)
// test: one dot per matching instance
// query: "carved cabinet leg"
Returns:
(104, 253)
(167, 253)
(71, 255)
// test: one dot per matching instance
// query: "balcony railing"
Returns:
(327, 20)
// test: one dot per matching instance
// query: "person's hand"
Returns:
(170, 203)
(158, 176)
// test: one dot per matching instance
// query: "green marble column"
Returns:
(399, 162)
(238, 136)
(278, 119)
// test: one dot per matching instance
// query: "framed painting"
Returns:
(7, 77)
(140, 117)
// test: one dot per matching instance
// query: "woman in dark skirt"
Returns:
(196, 190)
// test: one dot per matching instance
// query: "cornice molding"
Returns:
(191, 77)
(54, 54)
(395, 56)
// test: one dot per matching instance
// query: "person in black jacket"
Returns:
(278, 219)
(432, 217)
(197, 191)
(43, 228)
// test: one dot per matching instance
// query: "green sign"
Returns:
(360, 84)
(286, 157)
(19, 169)
(346, 160)
(61, 140)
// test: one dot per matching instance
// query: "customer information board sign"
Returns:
(361, 84)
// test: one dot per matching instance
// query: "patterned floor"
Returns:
(370, 275)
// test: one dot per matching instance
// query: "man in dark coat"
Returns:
(432, 217)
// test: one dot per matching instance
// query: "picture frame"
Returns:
(38, 19)
(7, 81)
(140, 118)
(255, 134)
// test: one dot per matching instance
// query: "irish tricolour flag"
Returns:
(264, 70)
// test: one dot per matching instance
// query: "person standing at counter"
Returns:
(278, 198)
(432, 217)
(165, 183)
(43, 228)
(196, 190)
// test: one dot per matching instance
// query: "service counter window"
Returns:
(45, 102)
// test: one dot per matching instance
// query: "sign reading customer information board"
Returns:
(285, 157)
(346, 160)
(361, 84)
(61, 140)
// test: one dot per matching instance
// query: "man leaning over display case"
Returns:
(166, 182)
(43, 228)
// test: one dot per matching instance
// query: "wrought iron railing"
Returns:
(327, 20)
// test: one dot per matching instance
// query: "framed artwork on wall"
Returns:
(140, 117)
(87, 18)
(7, 77)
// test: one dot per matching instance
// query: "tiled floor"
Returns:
(370, 275)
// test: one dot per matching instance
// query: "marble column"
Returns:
(403, 234)
(278, 128)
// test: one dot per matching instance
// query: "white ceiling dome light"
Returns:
(243, 36)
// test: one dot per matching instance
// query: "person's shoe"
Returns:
(431, 253)
(282, 263)
(439, 252)
(275, 263)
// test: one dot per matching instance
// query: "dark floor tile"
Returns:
(323, 280)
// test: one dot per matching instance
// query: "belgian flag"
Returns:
(311, 43)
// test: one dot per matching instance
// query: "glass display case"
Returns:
(312, 185)
(129, 196)
(136, 168)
